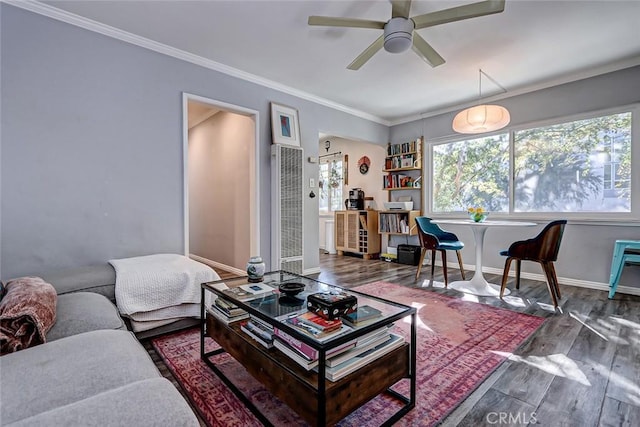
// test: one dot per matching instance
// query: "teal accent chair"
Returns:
(543, 249)
(433, 238)
(624, 252)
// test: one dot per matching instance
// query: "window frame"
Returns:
(605, 217)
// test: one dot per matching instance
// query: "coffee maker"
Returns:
(355, 200)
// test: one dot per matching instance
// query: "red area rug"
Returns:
(457, 343)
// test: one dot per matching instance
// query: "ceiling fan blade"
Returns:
(400, 8)
(367, 54)
(425, 51)
(458, 13)
(329, 21)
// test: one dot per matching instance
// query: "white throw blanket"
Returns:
(162, 286)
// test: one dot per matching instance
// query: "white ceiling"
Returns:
(532, 44)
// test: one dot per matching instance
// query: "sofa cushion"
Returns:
(27, 312)
(152, 402)
(68, 370)
(99, 278)
(80, 312)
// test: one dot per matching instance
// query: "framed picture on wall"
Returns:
(284, 125)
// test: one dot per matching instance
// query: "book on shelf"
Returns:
(316, 321)
(260, 329)
(305, 362)
(363, 344)
(256, 336)
(228, 307)
(262, 323)
(351, 365)
(365, 313)
(315, 333)
(249, 292)
(222, 316)
(308, 351)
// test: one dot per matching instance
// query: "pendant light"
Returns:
(484, 117)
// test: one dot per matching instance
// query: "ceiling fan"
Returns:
(399, 31)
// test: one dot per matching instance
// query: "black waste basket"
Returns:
(408, 254)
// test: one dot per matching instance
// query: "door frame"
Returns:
(254, 167)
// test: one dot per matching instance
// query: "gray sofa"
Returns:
(91, 371)
(101, 279)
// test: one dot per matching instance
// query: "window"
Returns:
(572, 167)
(330, 185)
(580, 166)
(473, 172)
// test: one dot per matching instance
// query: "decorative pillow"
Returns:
(27, 312)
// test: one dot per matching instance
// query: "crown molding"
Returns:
(109, 31)
(567, 78)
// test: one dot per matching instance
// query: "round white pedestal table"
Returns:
(478, 285)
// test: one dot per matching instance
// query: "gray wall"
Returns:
(219, 218)
(92, 145)
(587, 247)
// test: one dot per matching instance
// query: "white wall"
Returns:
(219, 153)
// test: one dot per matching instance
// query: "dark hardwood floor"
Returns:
(581, 368)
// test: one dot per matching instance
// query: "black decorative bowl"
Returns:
(291, 288)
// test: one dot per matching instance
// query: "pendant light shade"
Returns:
(482, 118)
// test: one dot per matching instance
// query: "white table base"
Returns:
(478, 285)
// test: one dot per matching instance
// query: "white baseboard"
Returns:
(219, 265)
(542, 278)
(315, 270)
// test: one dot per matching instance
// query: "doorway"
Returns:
(221, 192)
(340, 160)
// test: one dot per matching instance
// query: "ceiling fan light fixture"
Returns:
(398, 35)
(481, 118)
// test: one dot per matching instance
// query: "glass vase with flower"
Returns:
(477, 214)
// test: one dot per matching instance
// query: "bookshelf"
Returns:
(403, 167)
(402, 176)
(398, 222)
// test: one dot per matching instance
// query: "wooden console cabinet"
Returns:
(357, 232)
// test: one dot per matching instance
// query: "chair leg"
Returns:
(423, 252)
(555, 279)
(460, 263)
(444, 266)
(550, 285)
(433, 262)
(617, 264)
(518, 265)
(505, 275)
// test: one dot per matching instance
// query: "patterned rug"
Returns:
(459, 344)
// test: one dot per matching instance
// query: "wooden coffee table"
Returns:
(319, 401)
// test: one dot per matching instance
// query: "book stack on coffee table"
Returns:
(259, 330)
(227, 311)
